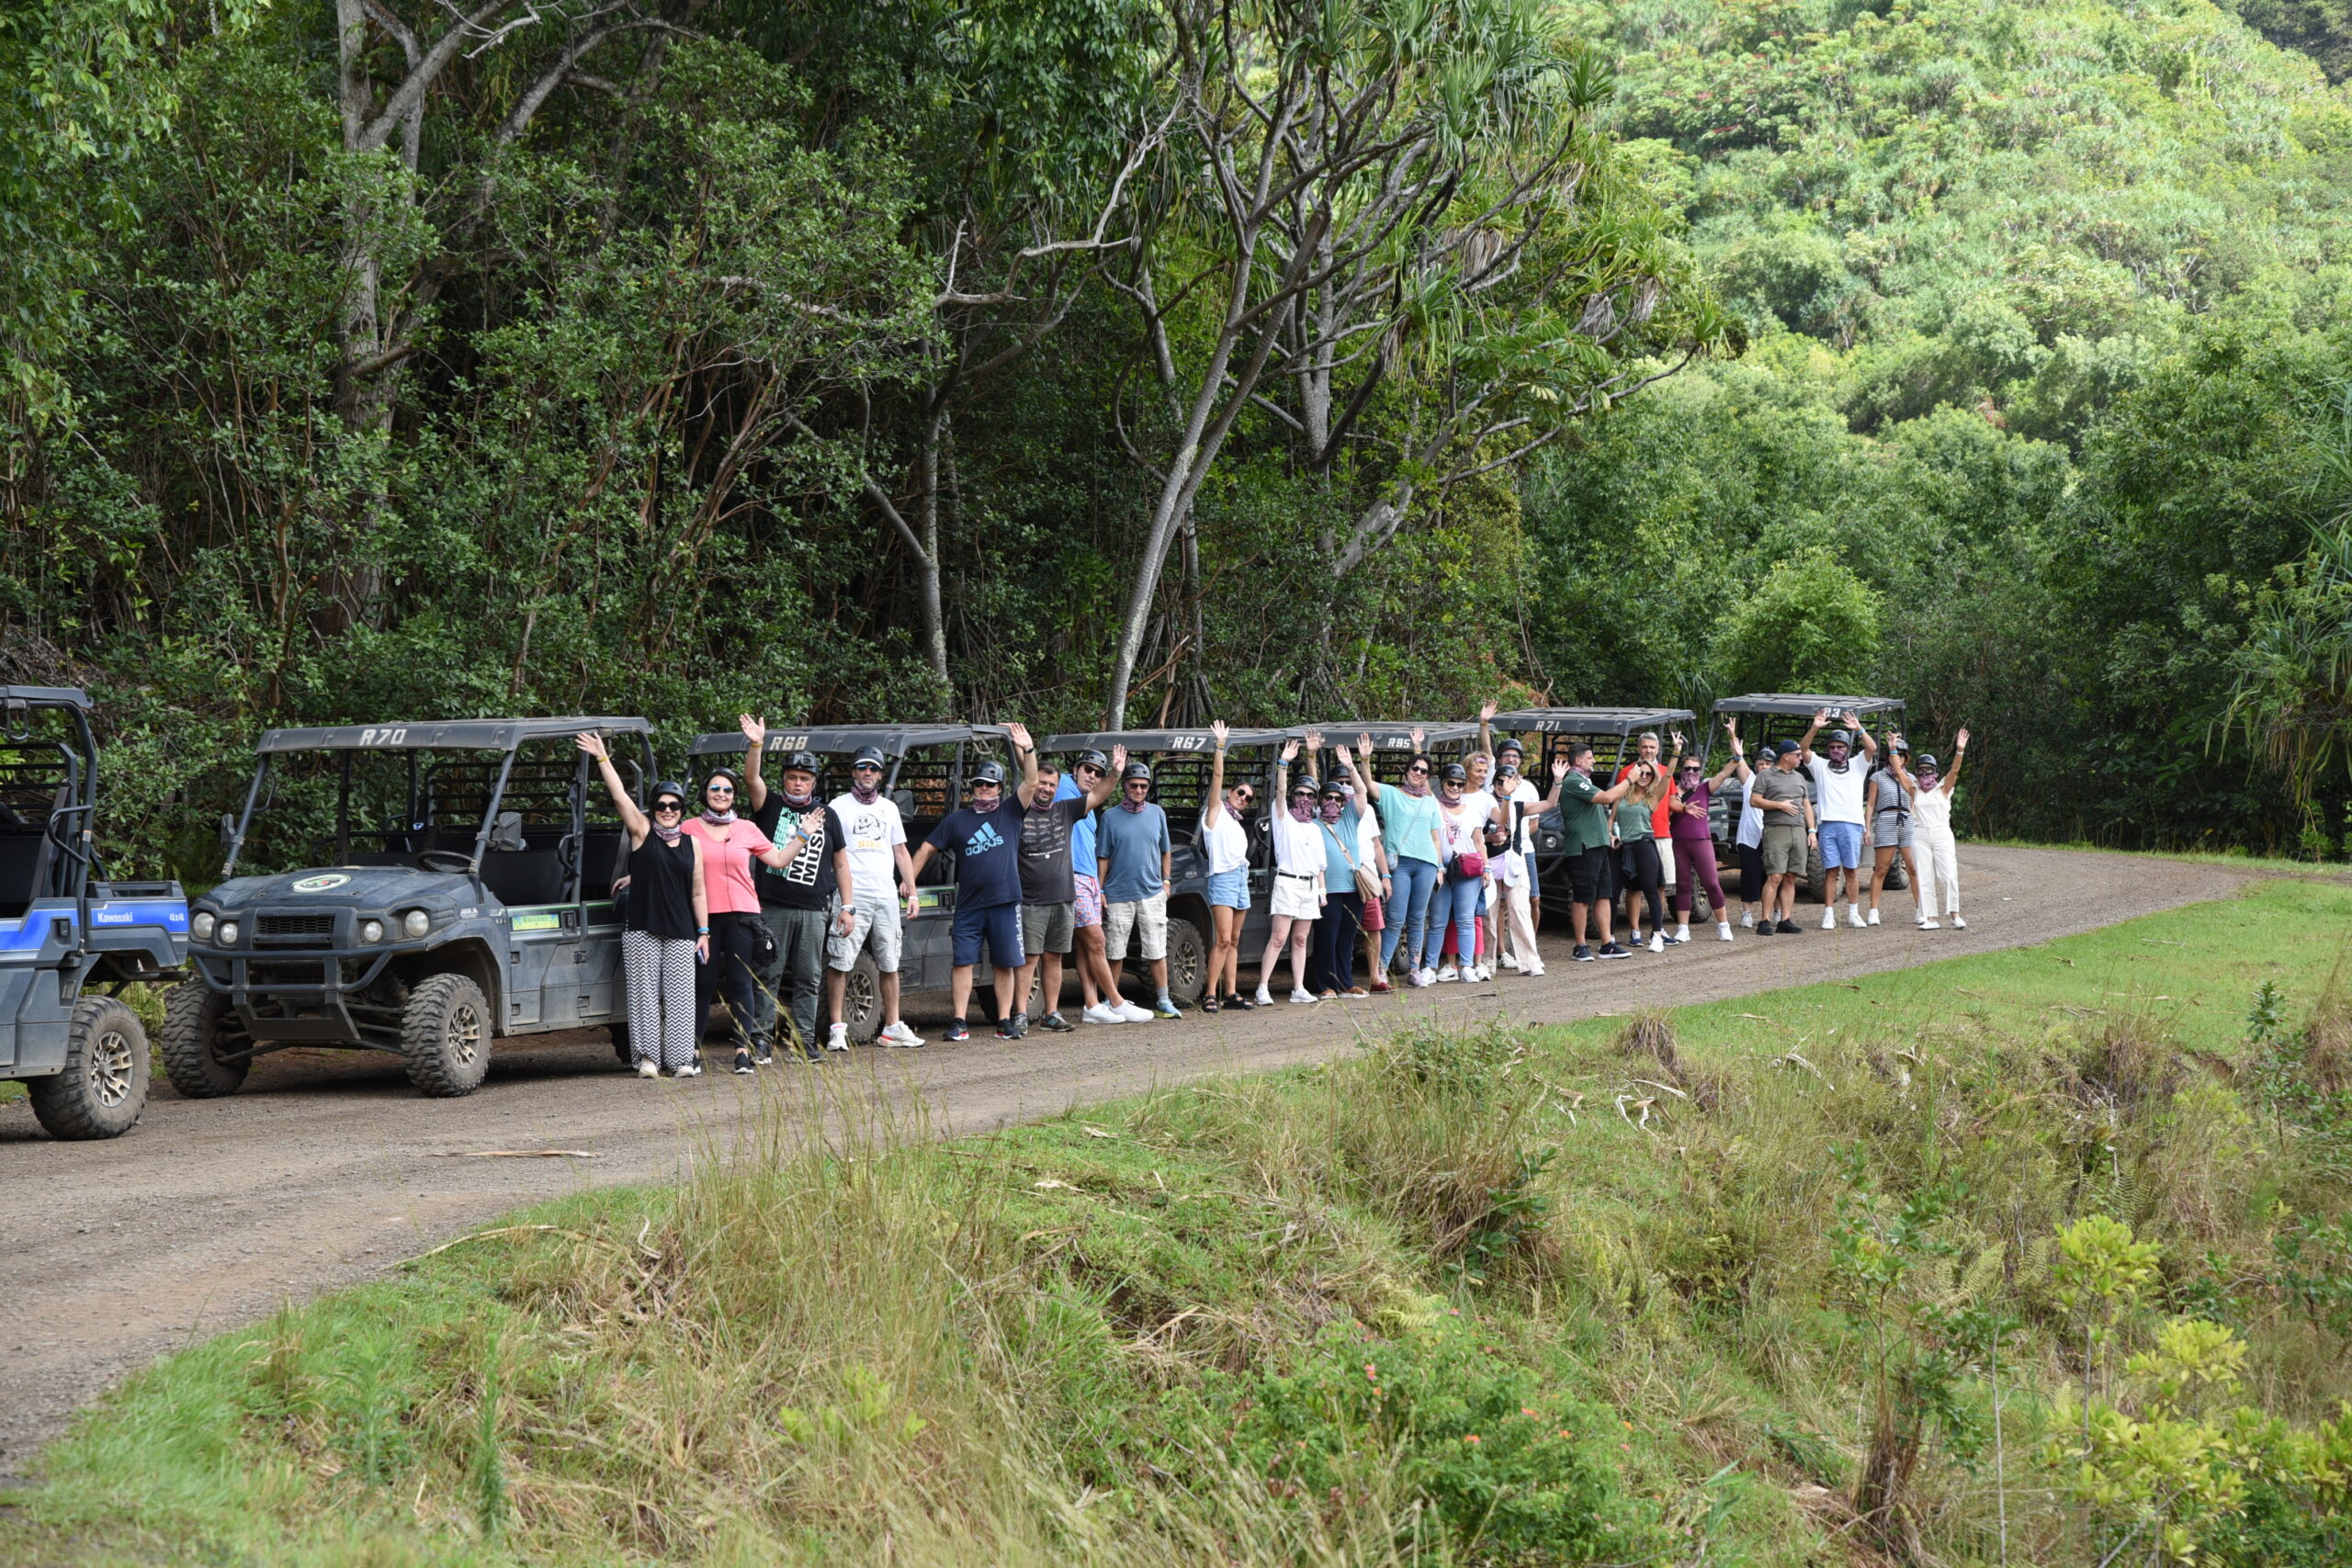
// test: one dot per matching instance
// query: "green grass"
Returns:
(1442, 1302)
(2238, 859)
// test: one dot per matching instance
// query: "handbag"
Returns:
(1367, 879)
(1469, 863)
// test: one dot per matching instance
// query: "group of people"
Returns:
(766, 896)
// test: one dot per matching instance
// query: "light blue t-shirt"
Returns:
(1405, 823)
(1081, 832)
(1133, 843)
(1339, 871)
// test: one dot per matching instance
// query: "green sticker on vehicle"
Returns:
(536, 922)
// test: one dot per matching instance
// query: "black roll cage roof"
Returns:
(846, 739)
(1801, 704)
(71, 829)
(1137, 741)
(1394, 734)
(1593, 721)
(506, 735)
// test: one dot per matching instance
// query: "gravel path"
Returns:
(327, 1167)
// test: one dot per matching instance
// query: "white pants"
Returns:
(1509, 905)
(1937, 859)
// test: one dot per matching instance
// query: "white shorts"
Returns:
(878, 926)
(1147, 918)
(1294, 897)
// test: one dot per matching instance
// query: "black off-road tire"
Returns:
(198, 1025)
(862, 1000)
(1188, 963)
(444, 1036)
(104, 1086)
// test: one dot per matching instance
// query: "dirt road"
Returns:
(327, 1167)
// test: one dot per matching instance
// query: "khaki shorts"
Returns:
(1784, 852)
(1047, 928)
(878, 928)
(1147, 919)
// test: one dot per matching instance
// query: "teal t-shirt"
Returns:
(1406, 822)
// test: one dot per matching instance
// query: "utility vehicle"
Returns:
(924, 770)
(1180, 761)
(428, 888)
(71, 937)
(1783, 715)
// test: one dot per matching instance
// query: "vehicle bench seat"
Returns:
(25, 862)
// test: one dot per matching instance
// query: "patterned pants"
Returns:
(661, 1013)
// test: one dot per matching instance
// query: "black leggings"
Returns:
(1751, 873)
(1638, 864)
(1331, 960)
(734, 949)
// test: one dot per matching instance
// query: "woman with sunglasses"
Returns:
(1227, 844)
(1298, 881)
(1642, 873)
(1692, 836)
(731, 956)
(1408, 828)
(667, 930)
(1463, 815)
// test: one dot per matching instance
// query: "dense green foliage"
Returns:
(1839, 1273)
(842, 360)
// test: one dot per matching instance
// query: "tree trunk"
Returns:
(934, 618)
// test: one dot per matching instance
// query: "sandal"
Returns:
(1209, 1002)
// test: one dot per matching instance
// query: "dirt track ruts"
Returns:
(326, 1167)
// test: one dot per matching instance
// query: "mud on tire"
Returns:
(444, 1036)
(104, 1086)
(199, 1026)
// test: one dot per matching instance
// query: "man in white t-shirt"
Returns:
(866, 913)
(1837, 780)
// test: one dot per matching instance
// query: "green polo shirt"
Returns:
(1584, 823)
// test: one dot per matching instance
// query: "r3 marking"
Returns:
(383, 737)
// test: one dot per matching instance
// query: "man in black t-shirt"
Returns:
(793, 897)
(1048, 886)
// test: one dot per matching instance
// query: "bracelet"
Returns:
(702, 930)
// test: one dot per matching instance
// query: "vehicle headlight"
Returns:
(201, 926)
(371, 930)
(416, 923)
(227, 933)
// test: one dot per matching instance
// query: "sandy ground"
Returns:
(327, 1167)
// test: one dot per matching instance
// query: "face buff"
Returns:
(1332, 809)
(799, 802)
(867, 793)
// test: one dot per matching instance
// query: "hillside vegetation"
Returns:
(858, 361)
(2032, 1257)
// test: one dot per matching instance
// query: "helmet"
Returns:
(1091, 757)
(1455, 773)
(1136, 771)
(867, 757)
(990, 773)
(1508, 744)
(1305, 782)
(671, 786)
(1839, 738)
(801, 762)
(1925, 762)
(734, 781)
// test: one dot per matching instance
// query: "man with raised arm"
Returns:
(868, 909)
(1837, 781)
(794, 897)
(1048, 880)
(1584, 837)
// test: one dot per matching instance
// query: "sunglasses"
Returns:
(1139, 784)
(1088, 770)
(662, 806)
(865, 768)
(719, 789)
(1301, 795)
(1243, 796)
(1416, 768)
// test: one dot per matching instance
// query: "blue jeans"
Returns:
(1410, 882)
(1456, 903)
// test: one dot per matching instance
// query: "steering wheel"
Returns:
(448, 861)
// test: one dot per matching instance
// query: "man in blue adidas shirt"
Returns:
(985, 838)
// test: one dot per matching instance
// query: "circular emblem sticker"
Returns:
(321, 883)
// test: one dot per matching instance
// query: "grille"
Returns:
(295, 931)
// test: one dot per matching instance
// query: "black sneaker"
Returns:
(1767, 929)
(1583, 954)
(743, 1063)
(1610, 949)
(811, 1055)
(1055, 1022)
(1790, 927)
(763, 1052)
(957, 1030)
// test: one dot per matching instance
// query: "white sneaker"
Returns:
(689, 1071)
(1301, 994)
(1534, 971)
(1657, 941)
(1102, 1012)
(1486, 971)
(900, 1035)
(1873, 917)
(1829, 920)
(1854, 916)
(837, 1037)
(1957, 924)
(1264, 998)
(1511, 960)
(1747, 918)
(1131, 1014)
(1682, 934)
(1447, 975)
(646, 1068)
(1722, 930)
(1929, 926)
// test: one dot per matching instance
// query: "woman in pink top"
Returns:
(731, 844)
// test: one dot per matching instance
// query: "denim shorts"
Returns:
(1230, 889)
(1841, 844)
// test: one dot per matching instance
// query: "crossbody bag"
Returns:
(1367, 879)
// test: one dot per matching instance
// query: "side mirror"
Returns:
(506, 831)
(228, 831)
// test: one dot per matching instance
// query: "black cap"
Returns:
(1136, 771)
(867, 756)
(1455, 773)
(801, 762)
(989, 772)
(1787, 749)
(1091, 757)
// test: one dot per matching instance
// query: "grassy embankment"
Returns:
(1442, 1302)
